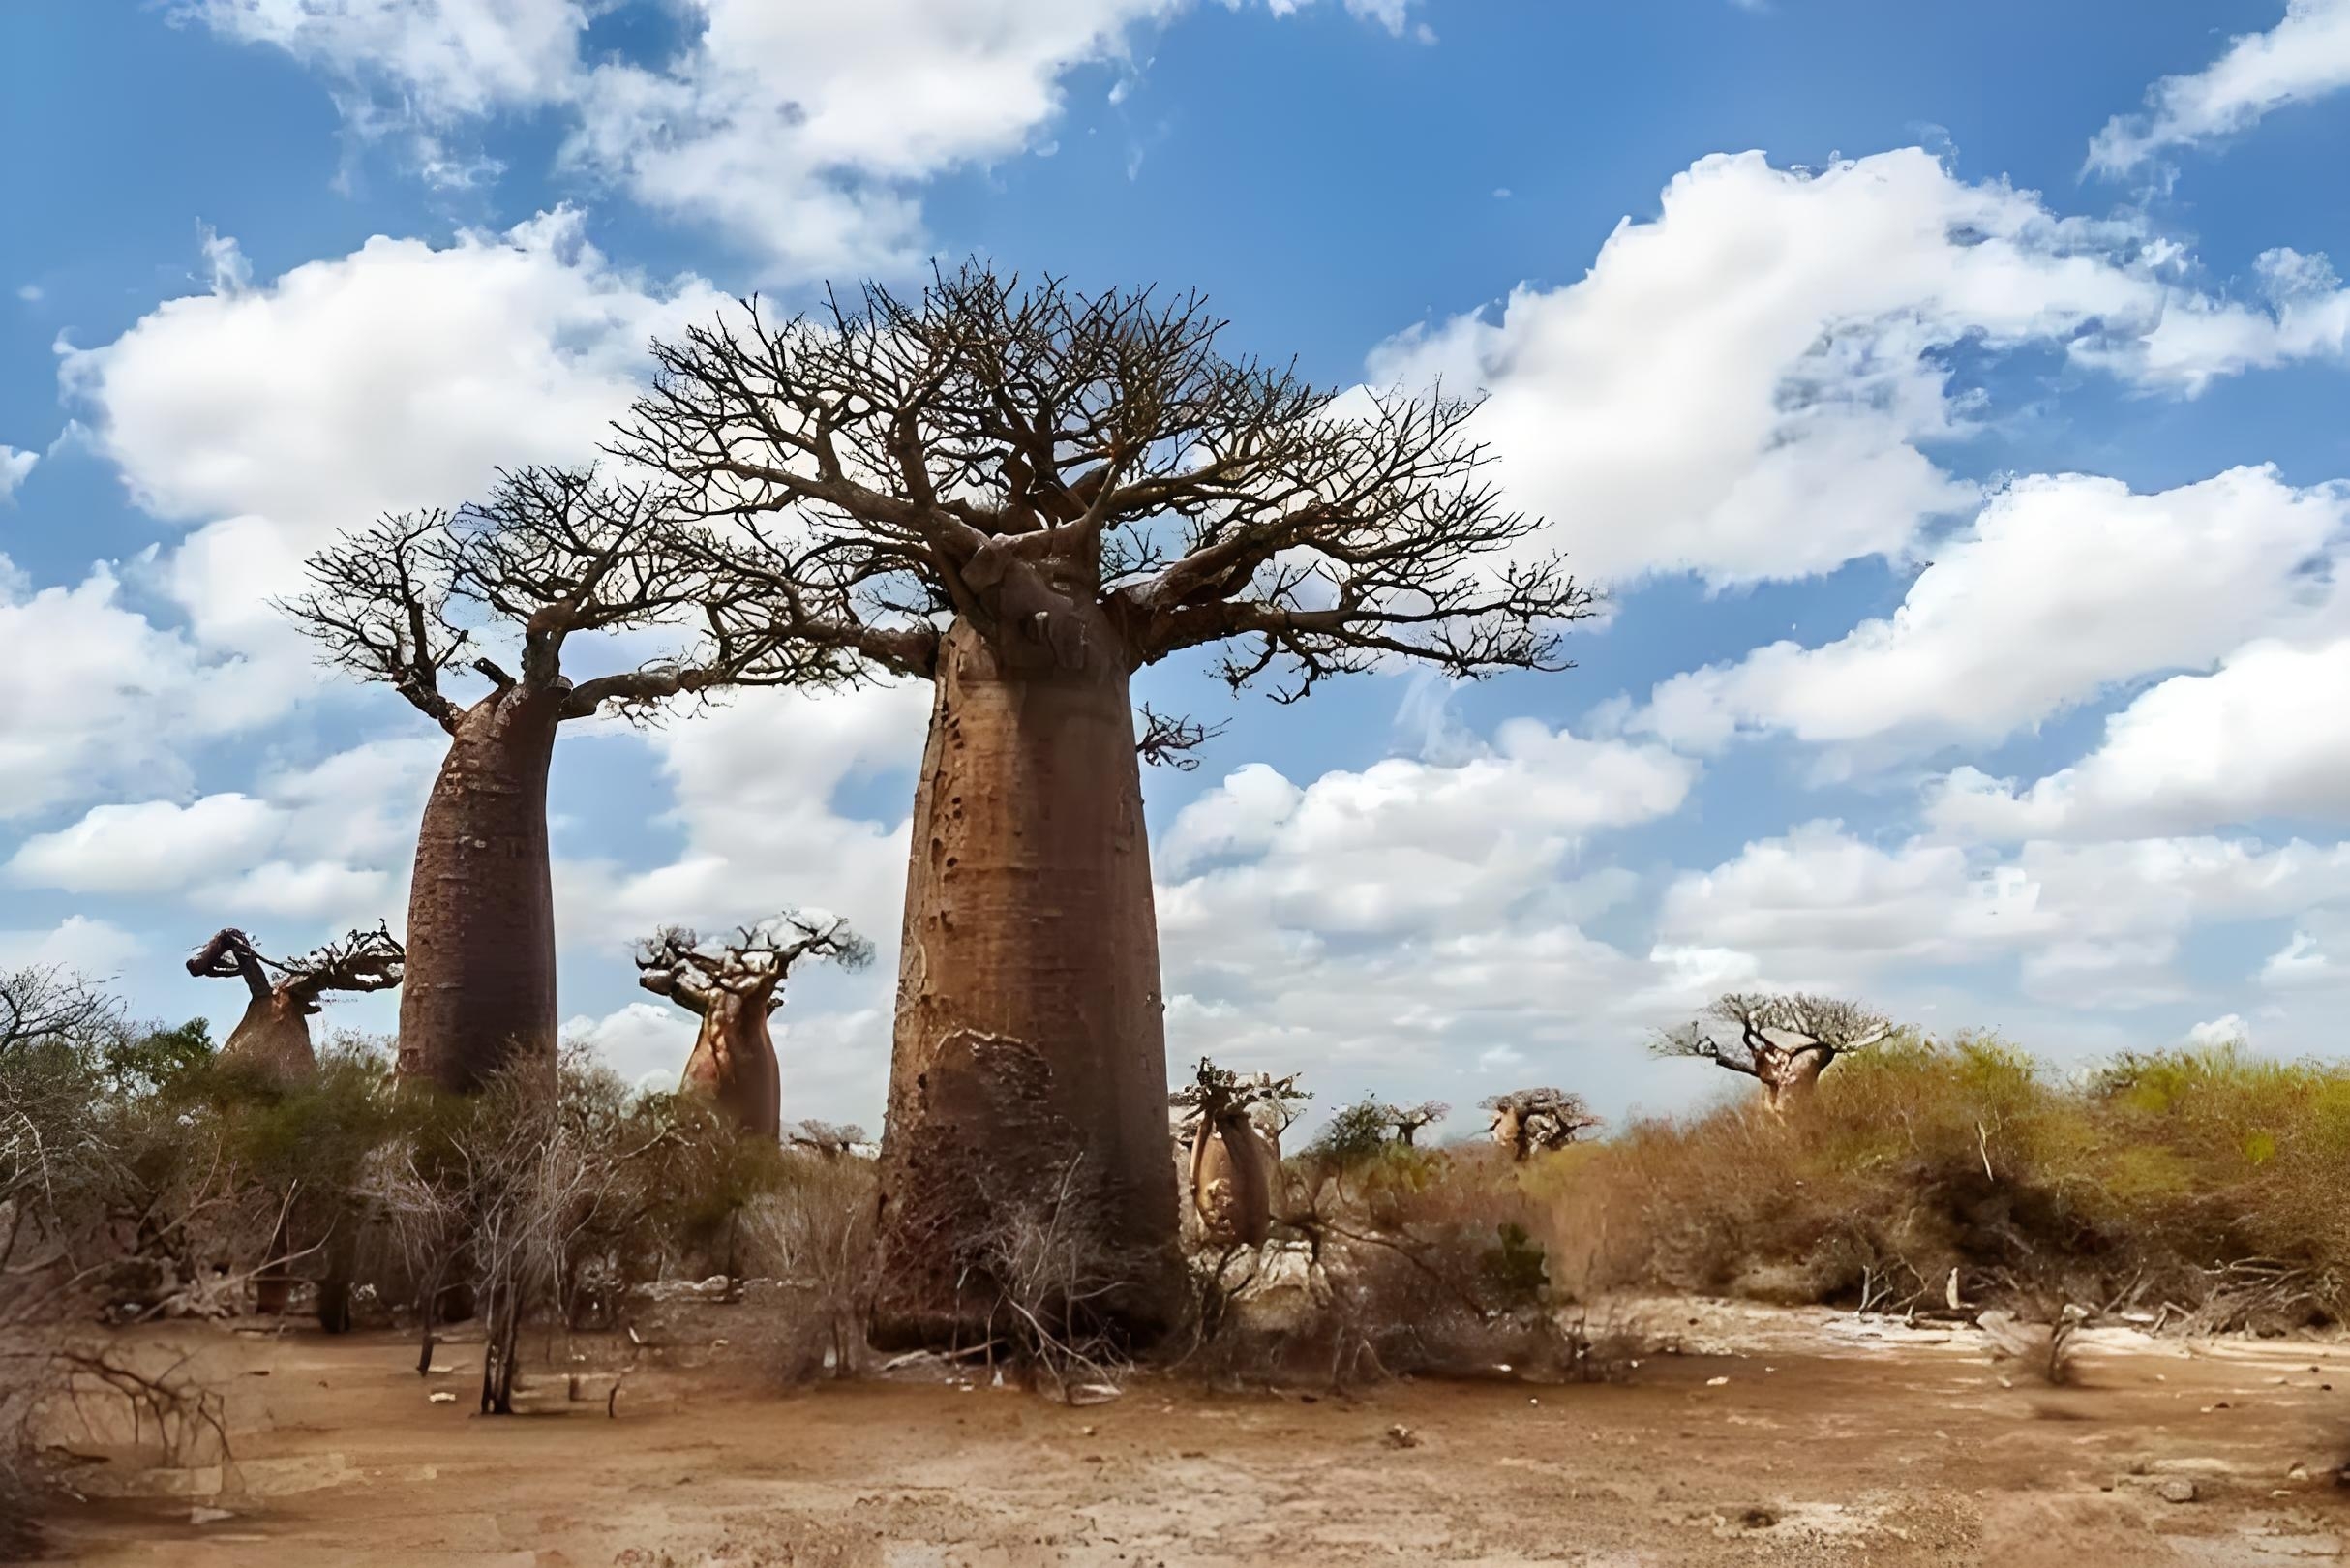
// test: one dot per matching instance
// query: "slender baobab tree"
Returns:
(1023, 494)
(1784, 1042)
(273, 1037)
(1232, 1163)
(733, 987)
(1408, 1120)
(552, 556)
(1531, 1120)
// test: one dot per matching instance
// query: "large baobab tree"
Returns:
(1784, 1042)
(273, 1037)
(1231, 1163)
(552, 557)
(733, 987)
(1024, 495)
(1526, 1121)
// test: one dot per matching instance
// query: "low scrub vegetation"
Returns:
(143, 1176)
(2199, 1188)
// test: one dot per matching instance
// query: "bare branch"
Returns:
(1019, 455)
(379, 606)
(45, 1004)
(677, 963)
(1168, 739)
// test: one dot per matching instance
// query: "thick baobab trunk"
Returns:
(1510, 1131)
(1789, 1080)
(1229, 1185)
(733, 1064)
(1028, 1079)
(480, 987)
(273, 1038)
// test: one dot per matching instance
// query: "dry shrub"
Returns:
(1055, 1314)
(2194, 1185)
(1388, 1259)
(813, 1234)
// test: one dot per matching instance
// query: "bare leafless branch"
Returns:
(1022, 455)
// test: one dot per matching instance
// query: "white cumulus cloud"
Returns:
(2306, 56)
(2065, 585)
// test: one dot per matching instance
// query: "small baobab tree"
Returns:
(733, 987)
(1409, 1121)
(1784, 1042)
(273, 1037)
(1232, 1164)
(1528, 1120)
(272, 1041)
(1024, 495)
(554, 556)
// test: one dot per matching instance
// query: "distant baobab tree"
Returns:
(274, 1034)
(732, 987)
(1784, 1042)
(552, 556)
(1528, 1120)
(273, 1040)
(1408, 1120)
(1232, 1163)
(832, 1139)
(1023, 493)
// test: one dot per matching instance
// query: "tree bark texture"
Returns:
(480, 987)
(273, 1038)
(733, 1066)
(1230, 1183)
(1030, 1051)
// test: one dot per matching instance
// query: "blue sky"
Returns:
(1949, 399)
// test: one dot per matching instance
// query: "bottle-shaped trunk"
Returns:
(1028, 1078)
(733, 1066)
(1789, 1077)
(480, 987)
(1229, 1185)
(273, 1039)
(1510, 1131)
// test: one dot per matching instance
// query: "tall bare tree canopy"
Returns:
(1025, 494)
(1783, 1042)
(274, 1034)
(732, 986)
(553, 555)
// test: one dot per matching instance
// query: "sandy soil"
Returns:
(1755, 1437)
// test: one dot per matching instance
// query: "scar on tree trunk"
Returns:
(272, 1041)
(732, 988)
